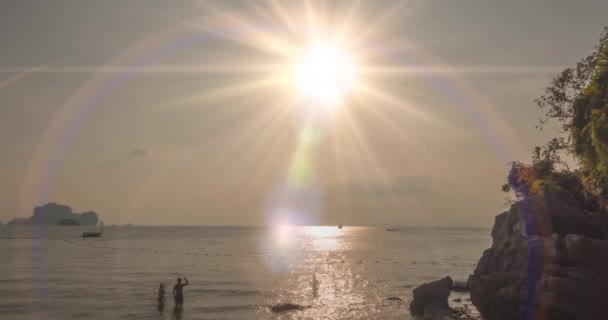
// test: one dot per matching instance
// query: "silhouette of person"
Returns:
(161, 297)
(315, 285)
(178, 292)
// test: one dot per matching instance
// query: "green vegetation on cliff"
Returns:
(578, 100)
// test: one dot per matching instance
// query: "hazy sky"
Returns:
(169, 112)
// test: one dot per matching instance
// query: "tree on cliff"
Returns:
(578, 100)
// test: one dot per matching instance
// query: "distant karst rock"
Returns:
(431, 297)
(19, 221)
(547, 261)
(68, 222)
(89, 218)
(52, 213)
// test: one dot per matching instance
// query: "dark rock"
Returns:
(284, 307)
(435, 312)
(393, 299)
(432, 295)
(460, 286)
(68, 222)
(547, 261)
(544, 215)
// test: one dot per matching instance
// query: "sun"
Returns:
(324, 73)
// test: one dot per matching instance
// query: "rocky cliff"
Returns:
(548, 260)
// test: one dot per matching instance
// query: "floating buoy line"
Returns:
(128, 250)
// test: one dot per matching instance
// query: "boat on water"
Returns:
(93, 234)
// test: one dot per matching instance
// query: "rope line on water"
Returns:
(101, 245)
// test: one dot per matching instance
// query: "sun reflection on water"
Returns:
(283, 233)
(324, 238)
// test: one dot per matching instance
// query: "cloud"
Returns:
(138, 152)
(398, 186)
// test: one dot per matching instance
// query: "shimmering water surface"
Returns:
(234, 272)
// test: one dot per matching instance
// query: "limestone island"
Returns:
(57, 214)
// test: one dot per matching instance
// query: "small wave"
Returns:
(229, 292)
(227, 308)
(13, 309)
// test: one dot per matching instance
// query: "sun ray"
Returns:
(277, 124)
(240, 89)
(363, 178)
(348, 18)
(278, 36)
(24, 72)
(386, 99)
(364, 149)
(407, 139)
(244, 31)
(283, 14)
(373, 27)
(239, 143)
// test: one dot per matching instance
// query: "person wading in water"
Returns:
(178, 292)
(161, 297)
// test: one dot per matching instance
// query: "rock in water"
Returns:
(547, 261)
(284, 307)
(431, 296)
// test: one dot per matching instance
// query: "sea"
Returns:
(51, 272)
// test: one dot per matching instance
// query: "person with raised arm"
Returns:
(178, 292)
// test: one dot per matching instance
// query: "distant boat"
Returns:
(340, 227)
(93, 234)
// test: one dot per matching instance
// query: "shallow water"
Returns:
(234, 272)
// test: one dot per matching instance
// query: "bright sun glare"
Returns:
(324, 73)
